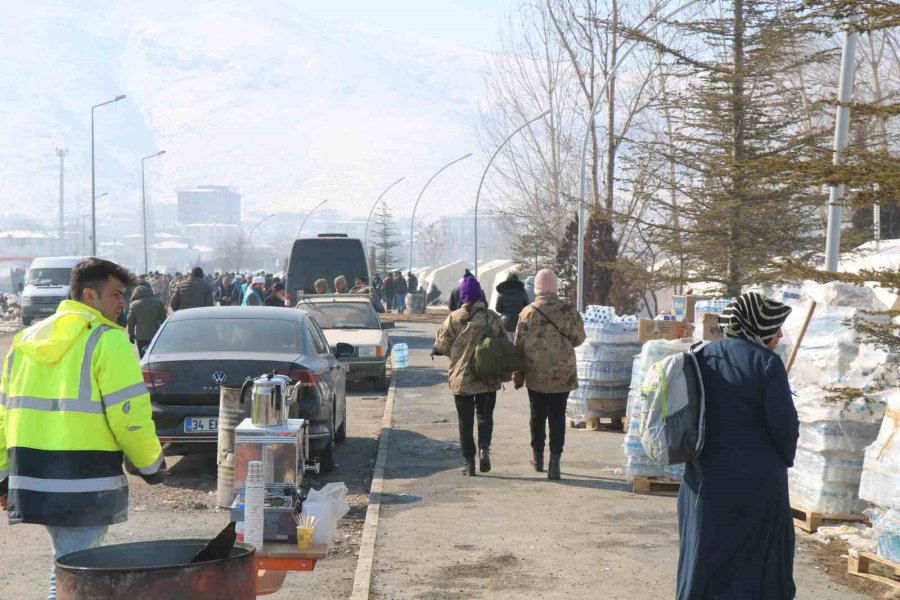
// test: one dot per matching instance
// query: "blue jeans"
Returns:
(65, 540)
(400, 302)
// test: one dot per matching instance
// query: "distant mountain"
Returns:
(251, 94)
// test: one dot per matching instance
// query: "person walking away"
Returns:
(378, 286)
(192, 292)
(389, 292)
(340, 285)
(511, 299)
(276, 298)
(166, 290)
(254, 293)
(434, 294)
(457, 339)
(455, 302)
(144, 319)
(412, 283)
(321, 286)
(734, 514)
(400, 289)
(547, 332)
(75, 404)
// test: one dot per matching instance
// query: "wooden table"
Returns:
(277, 558)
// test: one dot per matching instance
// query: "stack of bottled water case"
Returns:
(401, 355)
(603, 363)
(637, 463)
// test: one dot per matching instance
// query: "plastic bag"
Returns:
(328, 505)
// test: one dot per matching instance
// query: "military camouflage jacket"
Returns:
(548, 355)
(457, 339)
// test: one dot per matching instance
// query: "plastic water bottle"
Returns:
(401, 356)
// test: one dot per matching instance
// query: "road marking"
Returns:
(362, 582)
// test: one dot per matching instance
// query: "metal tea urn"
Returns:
(270, 398)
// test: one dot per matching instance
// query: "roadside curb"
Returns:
(362, 581)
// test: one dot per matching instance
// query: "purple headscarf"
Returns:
(470, 290)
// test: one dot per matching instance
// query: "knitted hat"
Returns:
(470, 290)
(546, 282)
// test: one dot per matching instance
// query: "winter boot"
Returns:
(484, 460)
(553, 468)
(537, 460)
(469, 469)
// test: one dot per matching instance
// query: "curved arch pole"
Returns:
(416, 205)
(386, 190)
(486, 168)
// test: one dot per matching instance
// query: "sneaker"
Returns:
(484, 461)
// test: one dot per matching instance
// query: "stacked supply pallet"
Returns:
(604, 365)
(881, 481)
(637, 463)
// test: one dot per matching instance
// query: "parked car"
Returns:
(198, 349)
(324, 257)
(46, 285)
(351, 319)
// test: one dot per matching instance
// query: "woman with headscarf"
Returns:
(734, 514)
(547, 332)
(457, 339)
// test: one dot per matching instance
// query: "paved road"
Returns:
(513, 534)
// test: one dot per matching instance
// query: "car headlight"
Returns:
(26, 301)
(366, 351)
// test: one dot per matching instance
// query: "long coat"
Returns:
(510, 302)
(737, 534)
(457, 339)
(548, 354)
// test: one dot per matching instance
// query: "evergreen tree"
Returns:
(385, 240)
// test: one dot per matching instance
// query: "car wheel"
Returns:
(326, 457)
(26, 321)
(341, 434)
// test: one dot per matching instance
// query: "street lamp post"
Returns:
(416, 205)
(487, 167)
(81, 243)
(306, 218)
(93, 180)
(144, 207)
(386, 190)
(587, 135)
(61, 153)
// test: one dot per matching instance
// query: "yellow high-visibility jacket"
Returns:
(72, 401)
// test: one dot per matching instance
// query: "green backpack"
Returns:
(495, 357)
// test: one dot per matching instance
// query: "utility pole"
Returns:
(61, 153)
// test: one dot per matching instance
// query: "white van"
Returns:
(46, 285)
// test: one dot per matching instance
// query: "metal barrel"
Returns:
(156, 570)
(230, 415)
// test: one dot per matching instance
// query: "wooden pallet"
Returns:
(872, 566)
(655, 486)
(596, 424)
(810, 521)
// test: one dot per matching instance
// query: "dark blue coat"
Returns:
(737, 533)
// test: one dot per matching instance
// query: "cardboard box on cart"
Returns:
(648, 329)
(683, 306)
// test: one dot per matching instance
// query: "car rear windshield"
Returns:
(325, 258)
(48, 276)
(342, 315)
(229, 335)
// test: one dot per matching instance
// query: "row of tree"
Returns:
(710, 157)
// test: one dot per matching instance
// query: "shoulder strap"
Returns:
(555, 326)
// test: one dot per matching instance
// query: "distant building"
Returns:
(206, 204)
(26, 245)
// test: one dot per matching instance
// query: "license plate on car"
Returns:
(198, 424)
(47, 309)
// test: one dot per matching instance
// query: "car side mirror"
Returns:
(388, 325)
(343, 349)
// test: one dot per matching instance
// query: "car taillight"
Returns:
(155, 379)
(287, 299)
(304, 377)
(379, 351)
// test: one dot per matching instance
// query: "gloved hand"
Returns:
(157, 477)
(131, 339)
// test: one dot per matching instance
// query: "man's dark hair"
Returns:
(278, 286)
(197, 272)
(94, 273)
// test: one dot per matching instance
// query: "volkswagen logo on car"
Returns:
(218, 377)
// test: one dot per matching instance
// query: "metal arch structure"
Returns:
(412, 222)
(587, 136)
(487, 168)
(369, 218)
(306, 218)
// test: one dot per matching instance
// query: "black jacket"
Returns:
(400, 286)
(192, 292)
(510, 302)
(146, 315)
(455, 302)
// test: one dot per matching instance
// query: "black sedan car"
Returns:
(197, 350)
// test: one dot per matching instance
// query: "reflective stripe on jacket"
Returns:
(72, 401)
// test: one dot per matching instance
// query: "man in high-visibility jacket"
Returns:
(72, 402)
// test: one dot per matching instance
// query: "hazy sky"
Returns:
(473, 23)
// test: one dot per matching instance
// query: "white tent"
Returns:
(487, 272)
(447, 277)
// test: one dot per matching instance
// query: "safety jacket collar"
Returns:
(49, 340)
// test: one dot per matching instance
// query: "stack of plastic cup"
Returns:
(254, 505)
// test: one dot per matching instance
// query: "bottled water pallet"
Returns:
(596, 424)
(810, 521)
(872, 566)
(655, 486)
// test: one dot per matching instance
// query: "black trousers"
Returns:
(548, 408)
(142, 346)
(467, 407)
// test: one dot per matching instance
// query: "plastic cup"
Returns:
(304, 537)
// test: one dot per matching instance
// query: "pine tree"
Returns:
(385, 240)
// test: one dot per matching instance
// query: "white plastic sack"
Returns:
(328, 505)
(880, 483)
